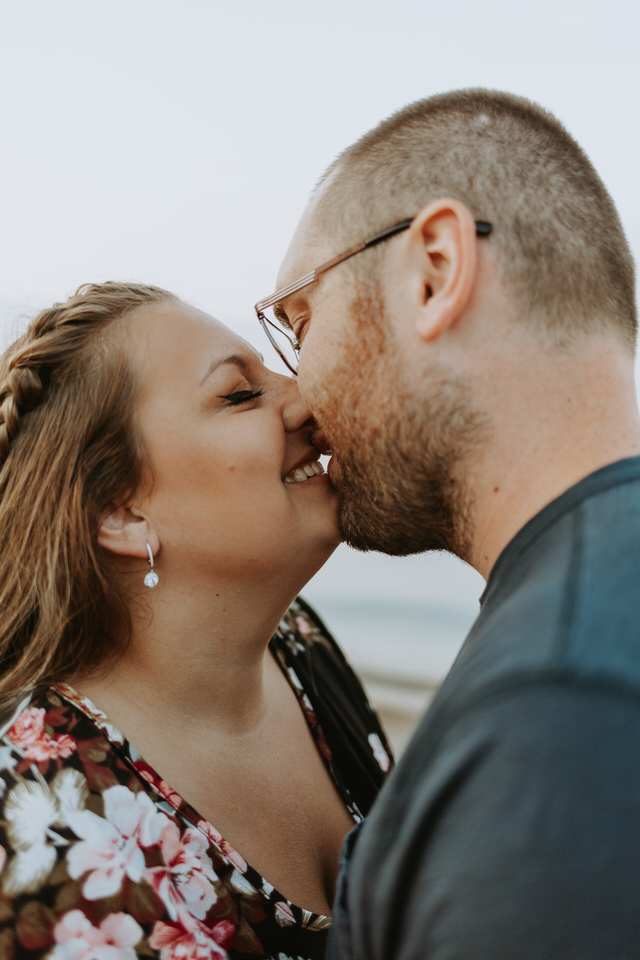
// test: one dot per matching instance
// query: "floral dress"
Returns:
(101, 860)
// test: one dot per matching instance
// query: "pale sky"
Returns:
(176, 141)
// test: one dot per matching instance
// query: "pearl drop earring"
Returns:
(151, 579)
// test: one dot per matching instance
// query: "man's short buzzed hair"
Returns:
(557, 234)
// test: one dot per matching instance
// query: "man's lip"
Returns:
(333, 470)
(321, 442)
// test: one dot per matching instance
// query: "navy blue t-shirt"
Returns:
(511, 827)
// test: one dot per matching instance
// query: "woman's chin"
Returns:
(308, 565)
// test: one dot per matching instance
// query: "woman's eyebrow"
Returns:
(234, 359)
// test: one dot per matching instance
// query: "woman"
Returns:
(187, 747)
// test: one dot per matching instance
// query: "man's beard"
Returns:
(400, 446)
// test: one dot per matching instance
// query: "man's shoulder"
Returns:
(517, 800)
(558, 634)
(562, 601)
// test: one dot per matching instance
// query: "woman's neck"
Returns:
(195, 657)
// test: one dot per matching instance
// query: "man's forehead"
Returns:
(301, 256)
(309, 246)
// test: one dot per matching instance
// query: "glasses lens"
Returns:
(281, 339)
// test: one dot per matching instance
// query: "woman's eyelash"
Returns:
(242, 396)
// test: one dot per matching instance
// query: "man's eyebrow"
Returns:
(234, 359)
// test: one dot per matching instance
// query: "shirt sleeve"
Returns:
(512, 833)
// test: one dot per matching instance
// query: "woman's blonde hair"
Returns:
(68, 448)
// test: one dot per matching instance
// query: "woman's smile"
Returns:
(307, 470)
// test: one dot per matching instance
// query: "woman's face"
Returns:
(227, 443)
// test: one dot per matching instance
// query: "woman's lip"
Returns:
(309, 456)
(322, 480)
(304, 472)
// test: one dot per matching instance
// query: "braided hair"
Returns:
(68, 448)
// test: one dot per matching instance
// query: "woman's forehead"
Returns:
(177, 339)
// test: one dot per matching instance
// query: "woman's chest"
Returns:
(280, 810)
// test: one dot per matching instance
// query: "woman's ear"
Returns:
(446, 231)
(126, 533)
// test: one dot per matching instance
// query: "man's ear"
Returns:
(446, 233)
(126, 533)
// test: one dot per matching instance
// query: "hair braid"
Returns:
(52, 337)
(20, 393)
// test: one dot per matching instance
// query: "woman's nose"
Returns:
(295, 412)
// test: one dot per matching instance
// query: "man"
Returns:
(472, 371)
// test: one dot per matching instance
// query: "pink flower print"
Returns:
(77, 939)
(225, 848)
(50, 748)
(303, 626)
(189, 939)
(29, 735)
(160, 786)
(186, 880)
(28, 727)
(112, 844)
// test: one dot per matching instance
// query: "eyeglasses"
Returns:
(274, 323)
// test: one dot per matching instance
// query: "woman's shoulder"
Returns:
(310, 654)
(333, 695)
(301, 630)
(37, 732)
(51, 726)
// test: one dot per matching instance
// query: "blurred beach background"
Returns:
(401, 620)
(176, 142)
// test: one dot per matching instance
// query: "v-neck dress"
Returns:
(100, 859)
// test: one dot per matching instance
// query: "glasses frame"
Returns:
(483, 229)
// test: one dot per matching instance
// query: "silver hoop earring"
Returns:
(151, 579)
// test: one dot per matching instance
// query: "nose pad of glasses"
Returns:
(281, 341)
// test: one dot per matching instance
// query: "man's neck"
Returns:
(562, 423)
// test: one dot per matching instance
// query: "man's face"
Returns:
(396, 435)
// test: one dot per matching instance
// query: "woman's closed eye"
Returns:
(241, 396)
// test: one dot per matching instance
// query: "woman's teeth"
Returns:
(312, 469)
